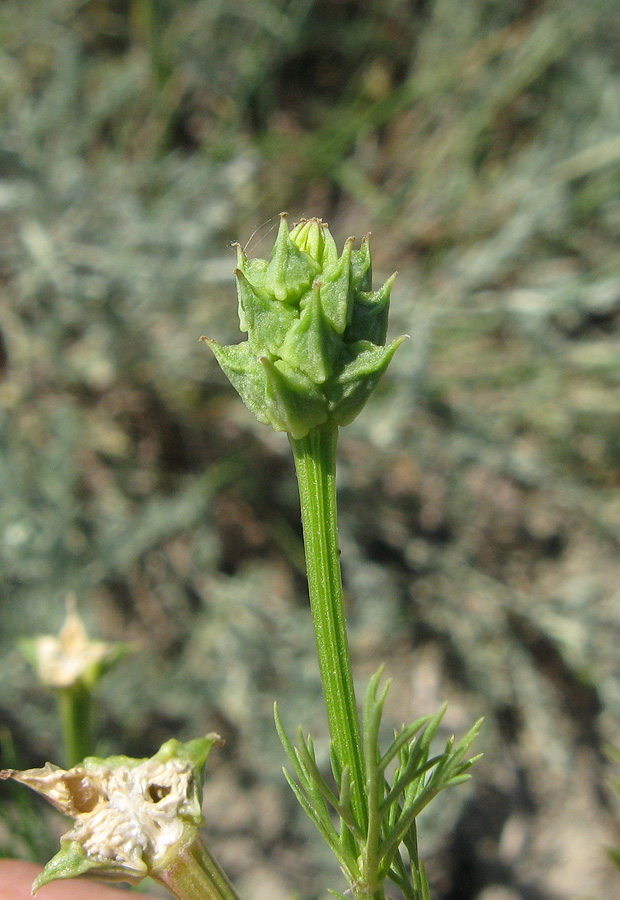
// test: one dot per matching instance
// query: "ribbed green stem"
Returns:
(75, 705)
(193, 874)
(315, 463)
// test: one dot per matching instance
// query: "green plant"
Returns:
(315, 351)
(614, 756)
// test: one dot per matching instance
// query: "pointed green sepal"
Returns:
(245, 373)
(310, 342)
(361, 267)
(294, 403)
(267, 321)
(72, 861)
(364, 366)
(370, 315)
(254, 272)
(255, 269)
(291, 271)
(336, 295)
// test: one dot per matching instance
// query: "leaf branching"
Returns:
(400, 783)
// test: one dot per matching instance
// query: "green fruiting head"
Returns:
(316, 331)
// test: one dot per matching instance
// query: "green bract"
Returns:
(316, 331)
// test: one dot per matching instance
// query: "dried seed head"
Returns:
(72, 658)
(128, 813)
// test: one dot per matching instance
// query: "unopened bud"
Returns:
(316, 331)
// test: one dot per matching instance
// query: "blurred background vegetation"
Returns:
(479, 140)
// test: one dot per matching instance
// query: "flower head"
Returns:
(316, 330)
(129, 814)
(72, 658)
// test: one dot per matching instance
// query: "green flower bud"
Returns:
(316, 331)
(131, 815)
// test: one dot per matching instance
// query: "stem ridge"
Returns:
(315, 463)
